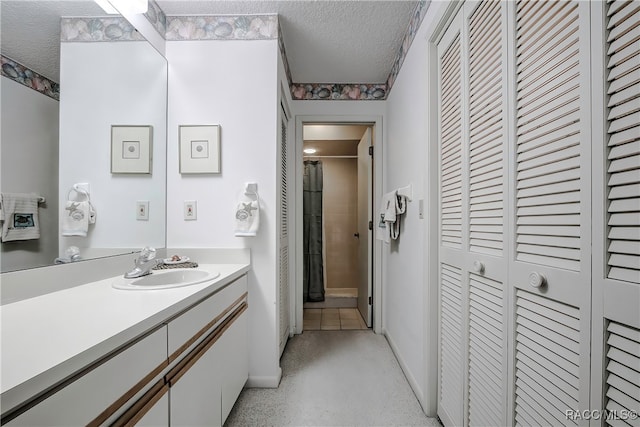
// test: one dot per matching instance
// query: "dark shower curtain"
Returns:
(313, 274)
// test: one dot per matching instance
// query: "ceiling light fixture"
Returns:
(309, 150)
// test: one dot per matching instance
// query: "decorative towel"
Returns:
(400, 208)
(76, 218)
(387, 207)
(247, 217)
(392, 206)
(19, 215)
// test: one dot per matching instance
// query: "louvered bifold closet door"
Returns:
(283, 281)
(550, 271)
(451, 348)
(486, 163)
(616, 269)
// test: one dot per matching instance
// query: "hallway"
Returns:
(332, 378)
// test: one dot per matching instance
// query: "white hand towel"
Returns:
(76, 218)
(387, 211)
(247, 218)
(400, 206)
(19, 216)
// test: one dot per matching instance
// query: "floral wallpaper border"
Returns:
(241, 27)
(155, 15)
(19, 73)
(414, 24)
(103, 29)
(338, 91)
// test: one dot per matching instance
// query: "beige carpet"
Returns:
(334, 378)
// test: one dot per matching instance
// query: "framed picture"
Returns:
(131, 149)
(199, 149)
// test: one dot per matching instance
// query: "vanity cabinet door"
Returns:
(208, 350)
(195, 397)
(207, 313)
(81, 401)
(233, 363)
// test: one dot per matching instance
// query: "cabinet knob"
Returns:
(478, 267)
(537, 279)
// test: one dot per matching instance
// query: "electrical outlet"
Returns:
(142, 210)
(190, 210)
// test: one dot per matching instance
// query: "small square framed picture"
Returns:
(131, 148)
(199, 149)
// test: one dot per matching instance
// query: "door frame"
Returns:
(376, 123)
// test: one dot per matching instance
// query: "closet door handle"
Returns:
(478, 267)
(357, 235)
(537, 280)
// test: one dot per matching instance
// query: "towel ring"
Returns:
(79, 191)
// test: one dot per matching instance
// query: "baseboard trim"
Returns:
(264, 382)
(405, 369)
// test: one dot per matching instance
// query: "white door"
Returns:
(550, 270)
(451, 351)
(514, 213)
(365, 185)
(485, 165)
(283, 232)
(473, 266)
(616, 242)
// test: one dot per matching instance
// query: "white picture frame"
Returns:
(199, 149)
(131, 148)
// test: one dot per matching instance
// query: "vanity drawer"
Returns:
(190, 327)
(79, 402)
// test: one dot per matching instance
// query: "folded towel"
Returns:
(77, 217)
(19, 216)
(387, 210)
(400, 206)
(247, 218)
(392, 206)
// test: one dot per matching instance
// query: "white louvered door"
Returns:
(616, 266)
(283, 228)
(473, 268)
(551, 173)
(452, 312)
(485, 31)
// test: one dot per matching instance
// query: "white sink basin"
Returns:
(166, 279)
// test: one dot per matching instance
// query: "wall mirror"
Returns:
(108, 75)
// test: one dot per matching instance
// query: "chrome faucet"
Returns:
(144, 263)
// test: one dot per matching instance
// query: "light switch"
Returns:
(190, 210)
(142, 210)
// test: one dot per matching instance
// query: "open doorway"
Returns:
(337, 246)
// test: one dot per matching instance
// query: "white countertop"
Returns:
(47, 338)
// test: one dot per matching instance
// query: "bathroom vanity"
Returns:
(95, 355)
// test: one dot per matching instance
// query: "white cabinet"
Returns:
(196, 396)
(188, 371)
(204, 387)
(234, 363)
(84, 399)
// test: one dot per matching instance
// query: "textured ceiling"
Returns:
(325, 41)
(30, 31)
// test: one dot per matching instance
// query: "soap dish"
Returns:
(180, 260)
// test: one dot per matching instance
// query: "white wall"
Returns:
(30, 164)
(104, 84)
(233, 84)
(408, 294)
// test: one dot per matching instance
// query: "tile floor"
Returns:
(332, 319)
